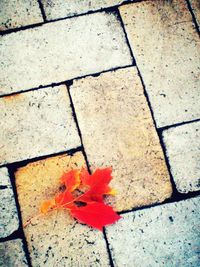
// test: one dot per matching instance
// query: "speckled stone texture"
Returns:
(16, 13)
(56, 239)
(166, 235)
(195, 4)
(183, 150)
(62, 50)
(60, 9)
(8, 212)
(118, 131)
(166, 46)
(12, 254)
(36, 123)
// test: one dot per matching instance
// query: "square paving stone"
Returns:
(8, 212)
(62, 50)
(166, 46)
(56, 239)
(183, 150)
(59, 8)
(166, 235)
(16, 13)
(12, 254)
(36, 123)
(118, 131)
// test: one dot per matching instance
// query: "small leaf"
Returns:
(71, 180)
(47, 205)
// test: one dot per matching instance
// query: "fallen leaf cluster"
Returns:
(82, 195)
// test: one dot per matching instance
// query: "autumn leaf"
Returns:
(82, 194)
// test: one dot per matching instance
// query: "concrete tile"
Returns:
(195, 4)
(166, 46)
(118, 131)
(183, 151)
(166, 235)
(36, 123)
(8, 212)
(62, 50)
(12, 254)
(17, 13)
(59, 9)
(56, 239)
(4, 177)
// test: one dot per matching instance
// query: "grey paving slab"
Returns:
(166, 46)
(195, 4)
(36, 123)
(183, 150)
(60, 9)
(62, 50)
(16, 13)
(8, 212)
(166, 235)
(118, 131)
(12, 254)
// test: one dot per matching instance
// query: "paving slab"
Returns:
(56, 239)
(59, 9)
(8, 212)
(195, 4)
(118, 131)
(183, 151)
(12, 254)
(62, 50)
(166, 46)
(36, 123)
(17, 13)
(166, 235)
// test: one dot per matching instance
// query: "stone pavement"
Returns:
(101, 83)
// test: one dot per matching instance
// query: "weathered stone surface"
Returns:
(166, 235)
(36, 123)
(183, 150)
(62, 50)
(56, 239)
(8, 212)
(118, 131)
(16, 13)
(195, 4)
(12, 254)
(166, 47)
(60, 9)
(4, 177)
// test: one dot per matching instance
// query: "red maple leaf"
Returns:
(83, 195)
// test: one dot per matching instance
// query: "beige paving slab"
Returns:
(12, 254)
(8, 212)
(17, 13)
(56, 239)
(166, 235)
(166, 46)
(183, 150)
(118, 131)
(62, 50)
(60, 9)
(36, 123)
(195, 4)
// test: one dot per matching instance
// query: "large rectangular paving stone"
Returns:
(166, 235)
(59, 8)
(56, 239)
(195, 4)
(118, 131)
(166, 46)
(62, 50)
(36, 123)
(16, 13)
(12, 254)
(8, 212)
(183, 151)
